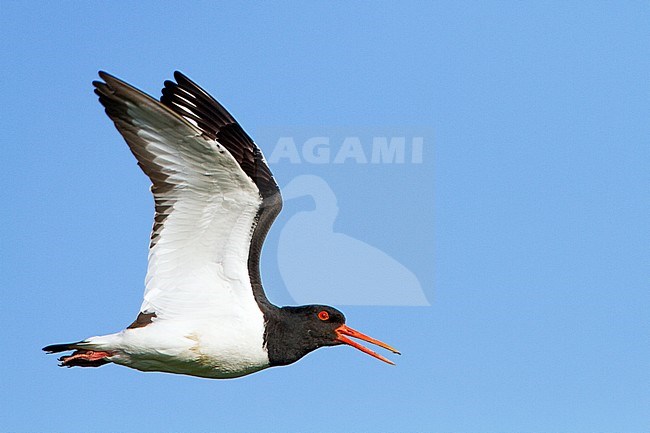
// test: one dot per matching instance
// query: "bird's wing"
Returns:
(214, 195)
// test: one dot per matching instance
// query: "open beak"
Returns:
(344, 330)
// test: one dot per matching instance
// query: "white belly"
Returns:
(227, 348)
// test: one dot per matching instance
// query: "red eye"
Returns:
(323, 315)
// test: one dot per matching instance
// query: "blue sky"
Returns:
(525, 222)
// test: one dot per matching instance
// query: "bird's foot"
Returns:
(85, 358)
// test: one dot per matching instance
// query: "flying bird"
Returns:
(204, 312)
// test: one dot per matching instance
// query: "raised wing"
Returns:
(215, 198)
(195, 105)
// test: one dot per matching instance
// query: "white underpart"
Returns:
(207, 321)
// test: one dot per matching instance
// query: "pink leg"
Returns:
(85, 358)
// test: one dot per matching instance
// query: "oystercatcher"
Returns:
(205, 312)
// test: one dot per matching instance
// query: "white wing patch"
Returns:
(206, 208)
(197, 266)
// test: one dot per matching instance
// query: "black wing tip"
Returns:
(101, 87)
(112, 84)
(107, 77)
(106, 87)
(179, 76)
(186, 83)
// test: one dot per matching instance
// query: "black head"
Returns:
(293, 332)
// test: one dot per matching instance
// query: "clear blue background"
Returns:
(528, 224)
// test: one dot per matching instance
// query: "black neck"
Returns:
(287, 338)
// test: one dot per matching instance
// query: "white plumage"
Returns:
(204, 311)
(197, 282)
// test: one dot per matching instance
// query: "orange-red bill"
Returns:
(344, 330)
